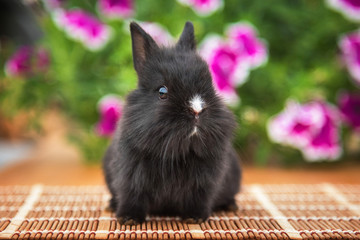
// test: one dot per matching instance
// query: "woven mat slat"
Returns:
(320, 211)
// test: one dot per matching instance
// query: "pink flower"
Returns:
(157, 32)
(349, 105)
(349, 8)
(110, 109)
(20, 62)
(27, 61)
(312, 128)
(203, 7)
(84, 27)
(116, 9)
(326, 143)
(230, 60)
(227, 69)
(243, 38)
(350, 47)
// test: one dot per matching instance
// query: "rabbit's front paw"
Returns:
(128, 220)
(131, 215)
(196, 217)
(194, 220)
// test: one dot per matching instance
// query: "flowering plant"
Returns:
(84, 27)
(313, 128)
(27, 61)
(289, 71)
(231, 60)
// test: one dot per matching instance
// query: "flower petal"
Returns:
(312, 128)
(84, 27)
(349, 8)
(26, 61)
(325, 143)
(227, 68)
(243, 38)
(116, 9)
(19, 64)
(203, 7)
(110, 109)
(349, 105)
(350, 47)
(158, 33)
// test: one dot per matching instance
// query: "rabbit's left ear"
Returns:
(187, 38)
(143, 46)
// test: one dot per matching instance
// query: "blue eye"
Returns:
(163, 92)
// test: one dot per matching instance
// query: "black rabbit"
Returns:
(172, 153)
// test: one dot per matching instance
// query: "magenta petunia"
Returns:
(110, 109)
(349, 105)
(244, 40)
(349, 8)
(350, 48)
(116, 9)
(84, 27)
(230, 60)
(26, 61)
(326, 143)
(313, 128)
(228, 70)
(203, 7)
(19, 64)
(158, 33)
(296, 124)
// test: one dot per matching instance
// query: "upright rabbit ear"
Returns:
(187, 38)
(142, 46)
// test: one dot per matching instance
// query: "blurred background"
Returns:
(289, 70)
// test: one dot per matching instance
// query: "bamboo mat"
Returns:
(322, 211)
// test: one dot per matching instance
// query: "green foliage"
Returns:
(303, 64)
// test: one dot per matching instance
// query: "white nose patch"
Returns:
(197, 104)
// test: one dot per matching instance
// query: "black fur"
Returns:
(154, 164)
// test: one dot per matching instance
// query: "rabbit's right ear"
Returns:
(142, 45)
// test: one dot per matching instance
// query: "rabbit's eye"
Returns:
(163, 92)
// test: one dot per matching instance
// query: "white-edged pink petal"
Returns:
(209, 44)
(110, 109)
(325, 144)
(350, 48)
(313, 128)
(228, 95)
(110, 100)
(158, 33)
(19, 64)
(116, 9)
(203, 7)
(26, 61)
(243, 37)
(83, 27)
(350, 9)
(226, 67)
